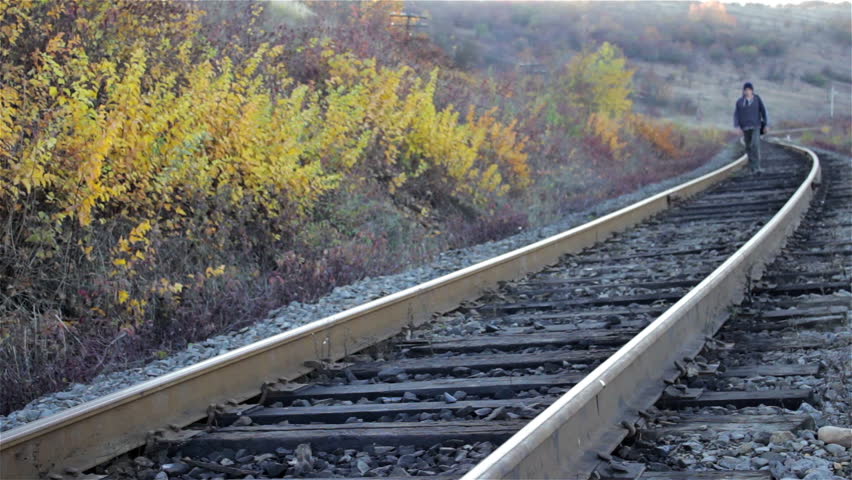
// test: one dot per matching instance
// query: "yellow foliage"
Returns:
(596, 87)
(600, 81)
(138, 233)
(607, 129)
(418, 138)
(128, 117)
(215, 272)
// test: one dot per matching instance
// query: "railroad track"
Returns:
(380, 391)
(775, 354)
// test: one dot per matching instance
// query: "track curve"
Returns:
(436, 400)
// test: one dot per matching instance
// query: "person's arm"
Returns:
(763, 116)
(736, 117)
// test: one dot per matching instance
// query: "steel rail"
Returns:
(561, 441)
(89, 434)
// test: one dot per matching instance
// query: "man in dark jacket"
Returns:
(750, 117)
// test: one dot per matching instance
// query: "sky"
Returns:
(764, 2)
(780, 2)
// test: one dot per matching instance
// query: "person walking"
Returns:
(750, 117)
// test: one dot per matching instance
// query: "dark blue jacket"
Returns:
(752, 115)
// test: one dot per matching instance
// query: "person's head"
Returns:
(748, 89)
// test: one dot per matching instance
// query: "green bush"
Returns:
(777, 72)
(773, 47)
(746, 52)
(674, 54)
(717, 53)
(815, 78)
(836, 76)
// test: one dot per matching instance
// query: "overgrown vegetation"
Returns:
(173, 170)
(686, 34)
(832, 134)
(816, 79)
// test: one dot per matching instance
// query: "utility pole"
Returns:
(699, 101)
(831, 95)
(411, 21)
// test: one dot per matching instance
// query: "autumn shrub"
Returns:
(662, 136)
(144, 175)
(501, 222)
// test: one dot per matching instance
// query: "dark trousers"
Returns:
(752, 145)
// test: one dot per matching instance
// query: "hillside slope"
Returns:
(690, 58)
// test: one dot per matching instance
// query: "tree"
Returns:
(593, 91)
(600, 82)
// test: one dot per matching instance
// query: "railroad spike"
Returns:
(315, 364)
(150, 441)
(631, 428)
(618, 467)
(264, 391)
(211, 414)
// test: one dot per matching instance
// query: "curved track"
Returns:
(482, 392)
(783, 350)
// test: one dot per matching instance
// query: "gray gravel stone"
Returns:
(406, 461)
(836, 435)
(819, 474)
(362, 467)
(178, 468)
(409, 397)
(835, 449)
(779, 438)
(274, 469)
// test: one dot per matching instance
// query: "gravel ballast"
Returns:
(296, 314)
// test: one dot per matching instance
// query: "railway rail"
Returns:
(775, 355)
(538, 366)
